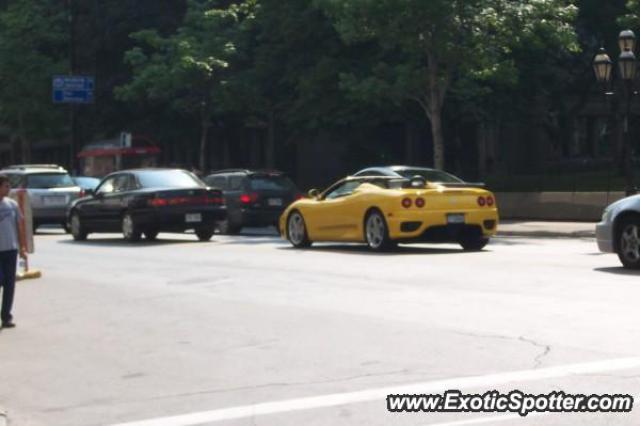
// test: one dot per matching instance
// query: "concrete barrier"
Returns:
(587, 206)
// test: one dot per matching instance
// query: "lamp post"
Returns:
(627, 67)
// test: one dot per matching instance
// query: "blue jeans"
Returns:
(8, 261)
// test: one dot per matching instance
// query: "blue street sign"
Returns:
(73, 89)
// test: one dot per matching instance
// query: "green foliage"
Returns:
(186, 69)
(33, 48)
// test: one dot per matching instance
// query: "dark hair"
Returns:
(3, 179)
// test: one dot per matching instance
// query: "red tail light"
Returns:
(298, 197)
(249, 198)
(482, 201)
(490, 201)
(157, 202)
(406, 203)
(82, 193)
(177, 201)
(420, 202)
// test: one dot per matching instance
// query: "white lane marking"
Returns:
(380, 394)
(491, 420)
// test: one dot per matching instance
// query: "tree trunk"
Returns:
(204, 124)
(438, 138)
(408, 142)
(481, 137)
(271, 141)
(25, 144)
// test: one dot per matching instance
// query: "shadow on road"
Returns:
(619, 270)
(363, 249)
(119, 242)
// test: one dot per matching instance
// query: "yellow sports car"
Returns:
(385, 210)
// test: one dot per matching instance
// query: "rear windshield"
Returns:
(168, 179)
(49, 180)
(430, 175)
(271, 183)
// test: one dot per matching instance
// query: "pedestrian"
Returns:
(12, 243)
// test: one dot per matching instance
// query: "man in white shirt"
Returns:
(12, 243)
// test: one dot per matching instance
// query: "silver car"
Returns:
(50, 190)
(619, 231)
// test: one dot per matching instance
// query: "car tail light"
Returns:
(249, 198)
(157, 202)
(490, 201)
(213, 200)
(82, 193)
(482, 201)
(420, 202)
(406, 203)
(298, 197)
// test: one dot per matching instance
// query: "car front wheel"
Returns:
(297, 231)
(204, 234)
(628, 237)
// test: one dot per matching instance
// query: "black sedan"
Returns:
(148, 201)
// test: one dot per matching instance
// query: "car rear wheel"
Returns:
(297, 231)
(78, 231)
(228, 228)
(204, 234)
(376, 232)
(130, 230)
(151, 234)
(628, 237)
(473, 243)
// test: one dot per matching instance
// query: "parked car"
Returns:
(619, 231)
(385, 210)
(253, 197)
(88, 184)
(148, 201)
(50, 190)
(430, 175)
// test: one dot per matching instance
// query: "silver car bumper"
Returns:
(604, 236)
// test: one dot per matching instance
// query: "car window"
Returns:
(168, 179)
(217, 181)
(235, 183)
(49, 180)
(270, 183)
(107, 186)
(343, 189)
(123, 183)
(369, 173)
(430, 175)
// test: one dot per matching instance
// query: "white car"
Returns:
(619, 231)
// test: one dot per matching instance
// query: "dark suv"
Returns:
(253, 197)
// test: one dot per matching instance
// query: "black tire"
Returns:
(204, 234)
(78, 230)
(376, 232)
(473, 243)
(628, 242)
(229, 228)
(297, 230)
(151, 234)
(65, 227)
(130, 231)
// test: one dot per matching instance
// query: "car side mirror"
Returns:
(314, 193)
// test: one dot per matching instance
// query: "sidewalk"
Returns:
(526, 228)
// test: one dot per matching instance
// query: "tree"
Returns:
(33, 48)
(187, 69)
(428, 48)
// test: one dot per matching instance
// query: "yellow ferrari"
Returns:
(382, 211)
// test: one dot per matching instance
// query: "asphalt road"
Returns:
(248, 331)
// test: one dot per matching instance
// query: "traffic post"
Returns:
(24, 203)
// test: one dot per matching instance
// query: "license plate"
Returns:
(455, 218)
(274, 202)
(193, 217)
(54, 200)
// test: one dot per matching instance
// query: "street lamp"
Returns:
(627, 67)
